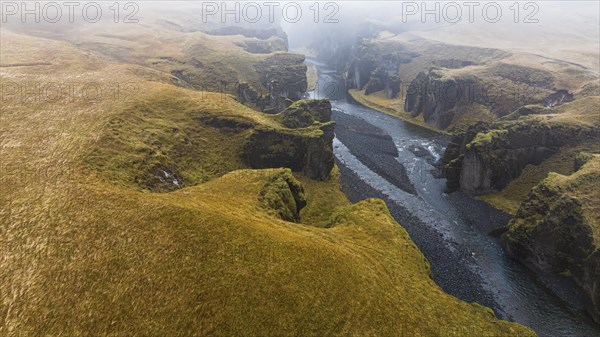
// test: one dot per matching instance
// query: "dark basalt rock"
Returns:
(375, 84)
(419, 151)
(306, 151)
(550, 234)
(452, 160)
(439, 96)
(382, 74)
(245, 93)
(436, 96)
(306, 147)
(282, 81)
(393, 86)
(284, 76)
(558, 98)
(374, 68)
(487, 157)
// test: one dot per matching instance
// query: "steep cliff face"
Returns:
(282, 81)
(305, 147)
(556, 230)
(435, 96)
(487, 157)
(375, 68)
(305, 113)
(284, 76)
(441, 95)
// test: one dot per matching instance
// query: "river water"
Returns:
(450, 229)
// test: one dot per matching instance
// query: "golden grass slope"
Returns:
(83, 256)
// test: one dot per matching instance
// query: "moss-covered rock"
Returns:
(374, 67)
(305, 113)
(487, 157)
(305, 147)
(284, 76)
(284, 196)
(556, 230)
(308, 150)
(442, 96)
(581, 159)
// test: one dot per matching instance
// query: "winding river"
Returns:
(384, 157)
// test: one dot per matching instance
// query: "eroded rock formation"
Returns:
(553, 231)
(305, 147)
(284, 196)
(487, 157)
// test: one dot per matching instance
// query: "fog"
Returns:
(530, 26)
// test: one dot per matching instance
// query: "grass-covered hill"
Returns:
(242, 62)
(86, 251)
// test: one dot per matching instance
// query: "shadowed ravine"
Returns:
(384, 157)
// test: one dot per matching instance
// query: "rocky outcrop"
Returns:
(306, 151)
(436, 96)
(552, 232)
(284, 196)
(393, 86)
(282, 81)
(487, 157)
(305, 113)
(246, 93)
(581, 159)
(374, 69)
(305, 147)
(441, 95)
(452, 160)
(385, 76)
(284, 76)
(558, 98)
